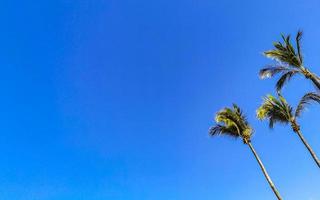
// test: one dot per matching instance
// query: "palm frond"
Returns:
(271, 123)
(305, 100)
(223, 130)
(271, 71)
(285, 78)
(287, 108)
(298, 39)
(242, 119)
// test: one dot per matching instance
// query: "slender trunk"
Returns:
(315, 81)
(274, 189)
(296, 129)
(313, 77)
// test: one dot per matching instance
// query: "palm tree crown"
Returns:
(278, 110)
(275, 110)
(232, 122)
(289, 62)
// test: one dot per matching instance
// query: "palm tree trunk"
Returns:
(313, 77)
(315, 81)
(313, 154)
(274, 189)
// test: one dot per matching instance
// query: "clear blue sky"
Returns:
(113, 100)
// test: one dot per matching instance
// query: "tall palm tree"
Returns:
(289, 62)
(277, 110)
(232, 122)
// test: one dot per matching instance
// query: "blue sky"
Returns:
(113, 100)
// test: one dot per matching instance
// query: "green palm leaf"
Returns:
(223, 130)
(298, 44)
(271, 71)
(305, 100)
(284, 79)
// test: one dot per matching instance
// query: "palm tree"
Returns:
(289, 62)
(279, 111)
(232, 122)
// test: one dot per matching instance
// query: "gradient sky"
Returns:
(113, 100)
